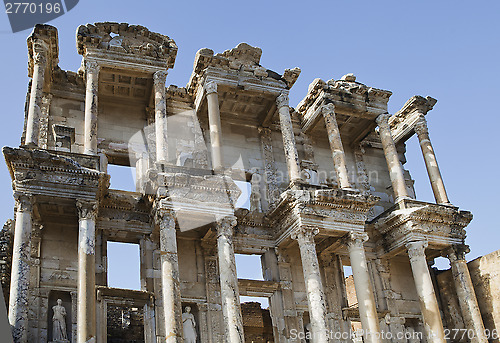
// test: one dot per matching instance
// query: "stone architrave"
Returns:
(159, 79)
(466, 295)
(92, 69)
(170, 276)
(215, 126)
(86, 316)
(363, 286)
(35, 104)
(231, 308)
(431, 164)
(392, 158)
(292, 157)
(314, 286)
(336, 146)
(18, 299)
(425, 290)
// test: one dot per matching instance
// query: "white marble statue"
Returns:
(189, 326)
(59, 333)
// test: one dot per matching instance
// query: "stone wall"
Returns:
(6, 239)
(256, 323)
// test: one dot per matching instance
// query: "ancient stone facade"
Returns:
(327, 189)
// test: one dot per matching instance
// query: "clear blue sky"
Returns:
(446, 49)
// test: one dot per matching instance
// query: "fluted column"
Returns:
(231, 308)
(159, 79)
(363, 286)
(18, 300)
(215, 126)
(291, 155)
(336, 146)
(466, 294)
(91, 110)
(86, 313)
(170, 283)
(391, 156)
(425, 290)
(314, 286)
(431, 164)
(35, 104)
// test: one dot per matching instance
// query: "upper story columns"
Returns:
(391, 156)
(291, 155)
(215, 126)
(35, 105)
(335, 140)
(92, 70)
(159, 79)
(431, 164)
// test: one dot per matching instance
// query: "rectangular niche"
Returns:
(187, 326)
(66, 303)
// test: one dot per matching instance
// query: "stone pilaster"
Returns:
(215, 126)
(92, 70)
(159, 79)
(314, 286)
(212, 285)
(292, 157)
(86, 317)
(270, 176)
(425, 290)
(36, 93)
(391, 156)
(363, 286)
(171, 292)
(43, 130)
(336, 146)
(18, 299)
(231, 308)
(466, 294)
(431, 164)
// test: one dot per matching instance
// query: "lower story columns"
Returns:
(314, 287)
(466, 295)
(231, 308)
(86, 316)
(425, 290)
(363, 286)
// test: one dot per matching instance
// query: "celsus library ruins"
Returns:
(325, 187)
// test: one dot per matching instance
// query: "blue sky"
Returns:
(446, 49)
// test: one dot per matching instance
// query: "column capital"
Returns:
(328, 109)
(87, 209)
(282, 99)
(40, 52)
(383, 120)
(355, 239)
(159, 78)
(165, 218)
(304, 234)
(421, 127)
(210, 87)
(226, 225)
(416, 249)
(24, 202)
(457, 252)
(92, 67)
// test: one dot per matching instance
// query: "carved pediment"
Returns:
(126, 39)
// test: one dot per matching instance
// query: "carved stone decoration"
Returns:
(210, 87)
(24, 202)
(416, 249)
(44, 121)
(60, 333)
(363, 178)
(92, 67)
(87, 209)
(282, 100)
(270, 177)
(159, 78)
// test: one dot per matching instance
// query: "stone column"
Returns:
(35, 104)
(338, 154)
(291, 155)
(425, 290)
(171, 292)
(86, 318)
(431, 164)
(231, 308)
(159, 79)
(363, 286)
(466, 294)
(314, 286)
(91, 110)
(391, 156)
(215, 126)
(18, 299)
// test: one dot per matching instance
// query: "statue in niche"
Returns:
(59, 333)
(189, 326)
